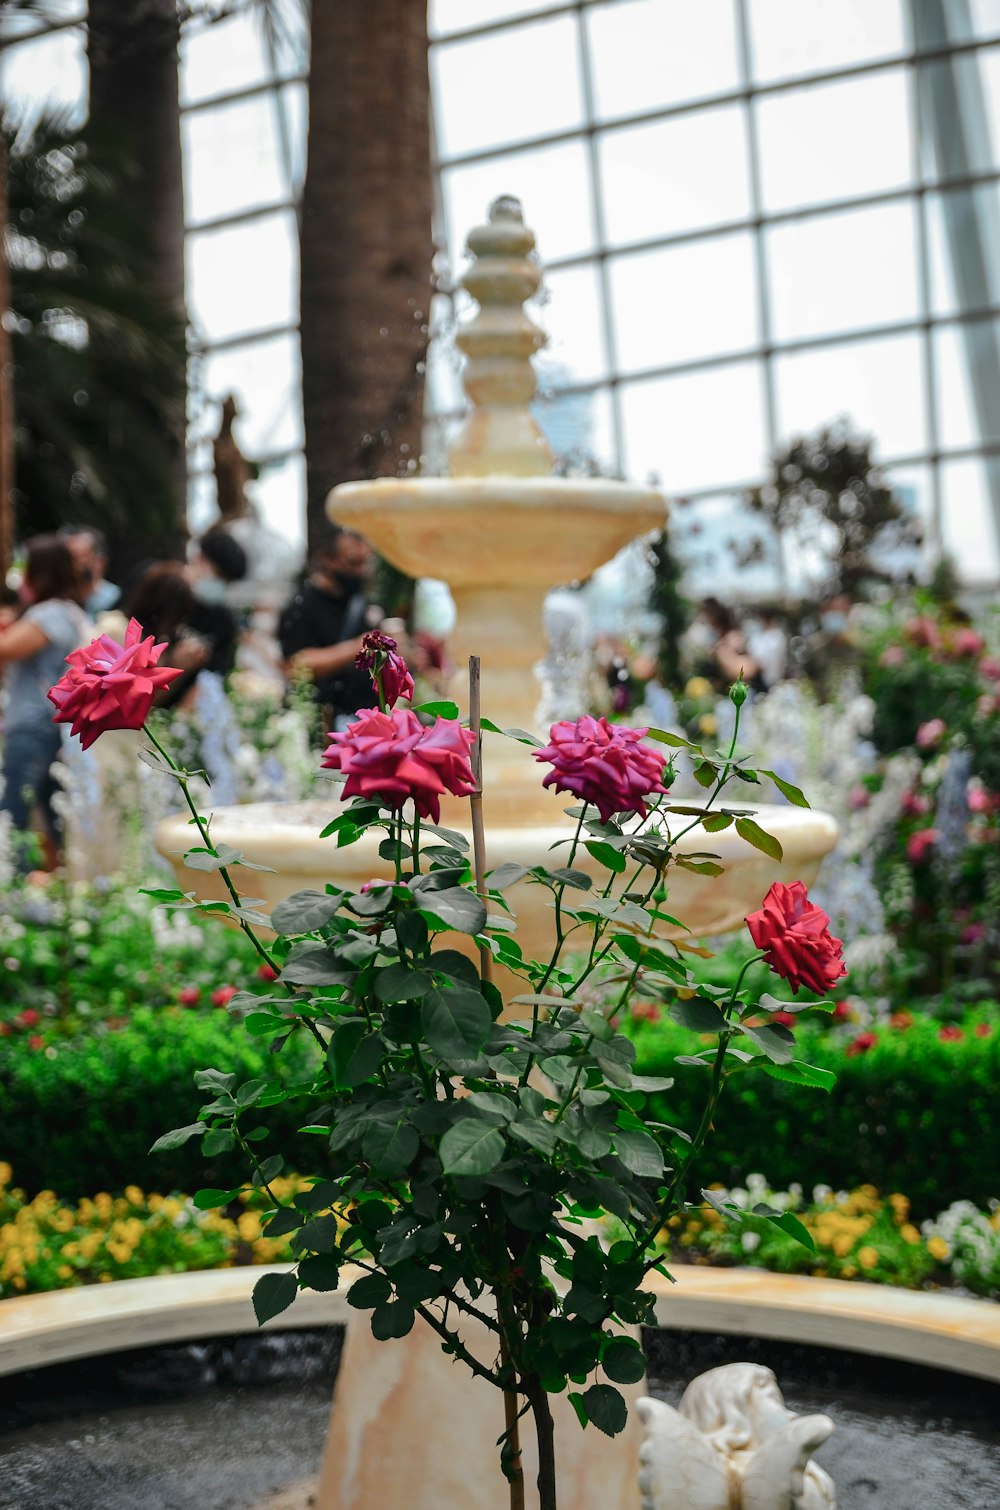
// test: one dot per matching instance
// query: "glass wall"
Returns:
(757, 215)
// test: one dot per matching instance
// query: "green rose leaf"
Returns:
(369, 1291)
(623, 1361)
(606, 1407)
(454, 906)
(798, 1073)
(272, 1294)
(354, 1054)
(506, 875)
(755, 835)
(208, 1200)
(390, 1146)
(456, 1021)
(321, 1271)
(788, 791)
(606, 855)
(394, 1319)
(776, 1041)
(471, 1147)
(440, 709)
(309, 965)
(399, 983)
(639, 1153)
(178, 1136)
(304, 911)
(698, 1014)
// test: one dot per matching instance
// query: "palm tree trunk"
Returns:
(132, 48)
(365, 244)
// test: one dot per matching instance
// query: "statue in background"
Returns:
(732, 1445)
(232, 470)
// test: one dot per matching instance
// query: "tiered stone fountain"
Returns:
(501, 531)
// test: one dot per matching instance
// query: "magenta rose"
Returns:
(920, 844)
(391, 758)
(110, 686)
(379, 656)
(931, 733)
(605, 764)
(795, 936)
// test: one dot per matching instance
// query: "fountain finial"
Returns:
(500, 434)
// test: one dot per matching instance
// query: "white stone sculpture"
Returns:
(732, 1445)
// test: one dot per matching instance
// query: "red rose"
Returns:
(188, 996)
(266, 972)
(391, 757)
(843, 1011)
(223, 996)
(379, 656)
(983, 1030)
(5, 1030)
(29, 1018)
(920, 844)
(861, 1045)
(110, 686)
(605, 764)
(901, 1021)
(783, 1019)
(950, 1033)
(36, 1041)
(795, 936)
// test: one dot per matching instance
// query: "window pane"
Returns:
(578, 429)
(963, 232)
(507, 86)
(835, 272)
(563, 220)
(912, 485)
(243, 278)
(834, 141)
(295, 104)
(704, 533)
(443, 393)
(280, 494)
(48, 75)
(227, 55)
(877, 384)
(969, 496)
(698, 299)
(675, 175)
(985, 16)
(645, 53)
(460, 15)
(966, 418)
(699, 430)
(570, 313)
(232, 159)
(266, 379)
(807, 36)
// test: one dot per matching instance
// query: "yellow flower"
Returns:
(868, 1257)
(134, 1195)
(900, 1206)
(6, 1174)
(708, 724)
(909, 1233)
(249, 1226)
(698, 686)
(938, 1248)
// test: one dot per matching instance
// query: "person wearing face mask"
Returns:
(89, 549)
(217, 560)
(321, 630)
(832, 650)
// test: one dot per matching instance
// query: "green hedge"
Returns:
(913, 1113)
(84, 1116)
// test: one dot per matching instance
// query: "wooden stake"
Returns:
(476, 805)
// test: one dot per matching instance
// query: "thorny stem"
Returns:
(539, 1402)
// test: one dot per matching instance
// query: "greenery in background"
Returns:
(826, 492)
(668, 601)
(98, 359)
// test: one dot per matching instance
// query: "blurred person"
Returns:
(720, 647)
(164, 603)
(769, 647)
(321, 629)
(89, 548)
(832, 650)
(217, 560)
(33, 651)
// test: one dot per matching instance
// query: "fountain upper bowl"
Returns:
(492, 531)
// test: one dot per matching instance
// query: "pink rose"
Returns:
(604, 764)
(189, 996)
(979, 800)
(973, 933)
(966, 642)
(922, 631)
(892, 655)
(110, 686)
(919, 845)
(266, 972)
(223, 996)
(931, 733)
(379, 656)
(861, 1044)
(795, 936)
(858, 797)
(989, 667)
(914, 804)
(391, 758)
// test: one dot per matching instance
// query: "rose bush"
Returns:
(460, 1151)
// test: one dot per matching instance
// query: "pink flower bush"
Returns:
(110, 686)
(920, 844)
(989, 667)
(795, 936)
(892, 655)
(391, 757)
(923, 632)
(604, 764)
(379, 656)
(931, 733)
(967, 643)
(950, 1033)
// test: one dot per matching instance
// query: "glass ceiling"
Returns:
(753, 221)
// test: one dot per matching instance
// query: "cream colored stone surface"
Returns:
(412, 1427)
